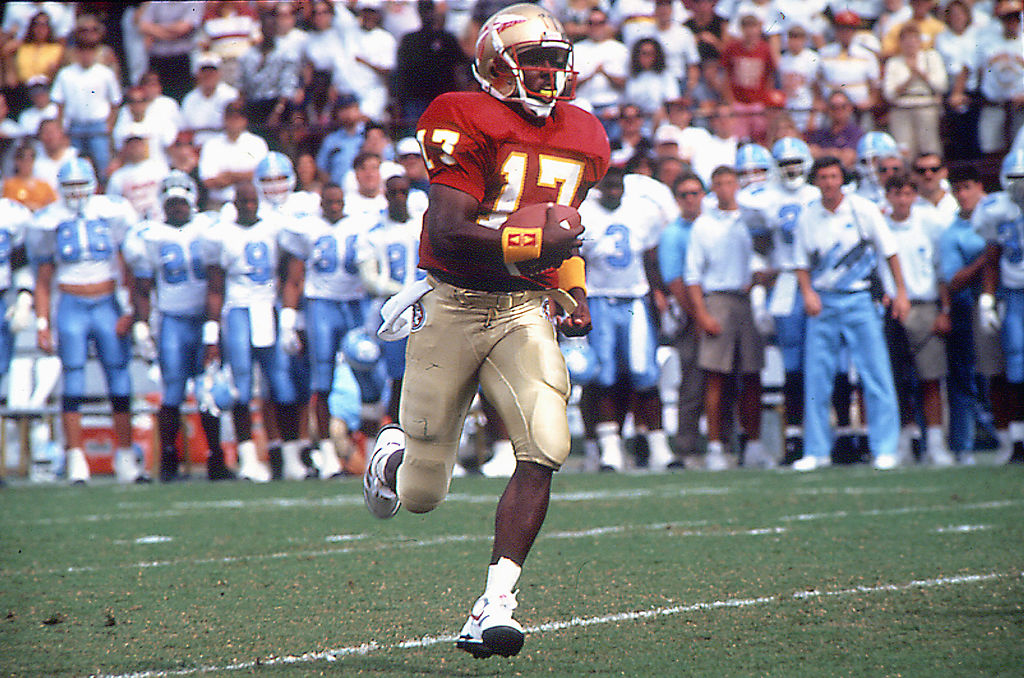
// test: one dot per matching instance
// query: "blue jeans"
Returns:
(960, 384)
(92, 140)
(849, 319)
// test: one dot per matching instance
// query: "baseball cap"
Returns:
(847, 18)
(136, 130)
(1005, 7)
(667, 134)
(407, 146)
(208, 60)
(375, 5)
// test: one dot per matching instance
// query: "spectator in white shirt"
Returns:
(368, 198)
(202, 109)
(917, 344)
(603, 65)
(138, 178)
(718, 278)
(88, 94)
(42, 108)
(54, 150)
(138, 112)
(370, 56)
(230, 157)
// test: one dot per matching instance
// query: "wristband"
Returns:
(572, 273)
(287, 318)
(211, 332)
(42, 323)
(520, 244)
(987, 301)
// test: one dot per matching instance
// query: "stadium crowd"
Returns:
(808, 174)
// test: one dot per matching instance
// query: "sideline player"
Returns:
(321, 271)
(170, 259)
(490, 154)
(77, 242)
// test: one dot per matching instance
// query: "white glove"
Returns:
(287, 335)
(988, 314)
(143, 339)
(763, 320)
(20, 315)
(396, 312)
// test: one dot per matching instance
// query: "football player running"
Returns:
(516, 151)
(77, 243)
(322, 272)
(167, 256)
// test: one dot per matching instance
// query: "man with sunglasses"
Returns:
(930, 179)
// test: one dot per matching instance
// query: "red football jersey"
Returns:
(478, 145)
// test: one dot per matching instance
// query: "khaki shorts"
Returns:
(927, 348)
(739, 347)
(988, 349)
(462, 340)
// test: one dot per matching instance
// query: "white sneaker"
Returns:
(755, 456)
(660, 454)
(609, 442)
(811, 463)
(502, 463)
(380, 499)
(326, 460)
(249, 465)
(886, 462)
(77, 467)
(292, 467)
(715, 460)
(491, 629)
(127, 469)
(940, 457)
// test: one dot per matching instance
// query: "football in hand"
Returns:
(562, 230)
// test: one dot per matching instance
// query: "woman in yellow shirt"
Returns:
(39, 55)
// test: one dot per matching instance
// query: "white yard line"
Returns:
(575, 622)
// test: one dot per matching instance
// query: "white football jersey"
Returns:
(82, 245)
(330, 251)
(395, 246)
(174, 257)
(917, 246)
(298, 205)
(772, 208)
(997, 219)
(614, 245)
(249, 257)
(15, 220)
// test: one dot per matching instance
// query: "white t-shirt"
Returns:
(205, 114)
(87, 94)
(220, 154)
(15, 219)
(917, 245)
(587, 56)
(139, 184)
(853, 72)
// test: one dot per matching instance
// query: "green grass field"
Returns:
(845, 572)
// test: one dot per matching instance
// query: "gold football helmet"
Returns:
(523, 55)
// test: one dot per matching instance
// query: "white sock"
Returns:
(935, 439)
(502, 577)
(657, 446)
(1016, 431)
(794, 432)
(715, 448)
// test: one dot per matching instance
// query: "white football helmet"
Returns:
(754, 164)
(275, 177)
(177, 184)
(76, 181)
(871, 149)
(520, 40)
(793, 159)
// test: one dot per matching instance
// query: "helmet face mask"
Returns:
(76, 181)
(872, 148)
(1011, 172)
(524, 56)
(753, 164)
(793, 159)
(178, 186)
(275, 178)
